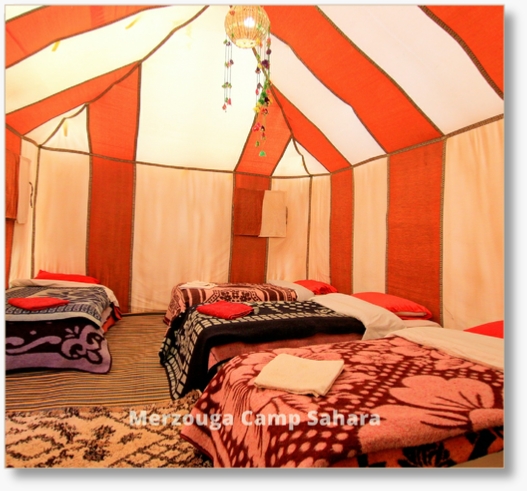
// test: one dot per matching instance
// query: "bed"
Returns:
(196, 343)
(185, 295)
(420, 397)
(59, 324)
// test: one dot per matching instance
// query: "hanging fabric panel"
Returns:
(287, 256)
(318, 267)
(369, 221)
(112, 123)
(341, 230)
(175, 242)
(473, 279)
(414, 226)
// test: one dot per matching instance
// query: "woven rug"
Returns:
(102, 437)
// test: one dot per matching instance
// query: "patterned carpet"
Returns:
(100, 437)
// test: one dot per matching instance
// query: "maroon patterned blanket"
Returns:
(182, 298)
(396, 404)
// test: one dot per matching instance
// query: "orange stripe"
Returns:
(341, 231)
(414, 226)
(112, 187)
(382, 107)
(277, 137)
(14, 144)
(310, 137)
(30, 117)
(248, 257)
(33, 31)
(481, 28)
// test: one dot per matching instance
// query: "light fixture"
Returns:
(248, 26)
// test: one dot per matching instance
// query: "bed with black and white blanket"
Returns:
(187, 344)
(69, 336)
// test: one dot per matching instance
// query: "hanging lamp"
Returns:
(248, 27)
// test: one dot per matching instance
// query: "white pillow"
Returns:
(302, 292)
(378, 321)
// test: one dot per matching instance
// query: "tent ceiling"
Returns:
(350, 82)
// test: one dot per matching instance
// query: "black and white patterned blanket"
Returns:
(65, 337)
(187, 344)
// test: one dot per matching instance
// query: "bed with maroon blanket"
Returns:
(189, 341)
(66, 336)
(421, 397)
(183, 297)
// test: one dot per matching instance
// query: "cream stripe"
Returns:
(182, 232)
(473, 228)
(61, 213)
(320, 223)
(369, 236)
(287, 256)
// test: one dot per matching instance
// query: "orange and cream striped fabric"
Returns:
(385, 132)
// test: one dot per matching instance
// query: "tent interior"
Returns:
(384, 134)
(361, 146)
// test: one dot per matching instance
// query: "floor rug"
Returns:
(102, 437)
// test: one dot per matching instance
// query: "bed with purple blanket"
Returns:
(69, 335)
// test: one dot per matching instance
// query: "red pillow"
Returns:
(44, 275)
(317, 287)
(494, 329)
(37, 303)
(401, 307)
(225, 310)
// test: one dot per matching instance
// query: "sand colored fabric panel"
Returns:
(382, 107)
(182, 121)
(287, 256)
(414, 226)
(341, 231)
(61, 217)
(473, 271)
(24, 190)
(274, 214)
(65, 132)
(318, 261)
(369, 237)
(174, 242)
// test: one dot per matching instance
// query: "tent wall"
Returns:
(426, 224)
(385, 132)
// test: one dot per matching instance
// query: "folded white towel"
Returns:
(198, 284)
(299, 375)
